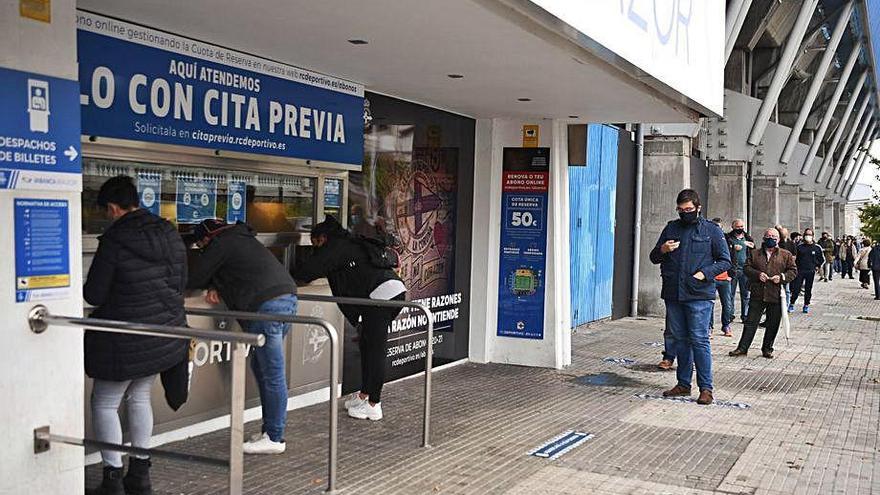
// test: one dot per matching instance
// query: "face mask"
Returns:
(770, 243)
(808, 239)
(355, 219)
(688, 216)
(738, 231)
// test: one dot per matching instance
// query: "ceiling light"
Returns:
(523, 99)
(358, 42)
(454, 76)
(573, 117)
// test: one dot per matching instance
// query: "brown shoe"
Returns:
(677, 391)
(665, 365)
(767, 354)
(737, 352)
(705, 398)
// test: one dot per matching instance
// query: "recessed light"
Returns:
(523, 99)
(358, 42)
(573, 117)
(454, 76)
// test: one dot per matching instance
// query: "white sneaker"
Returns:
(365, 411)
(264, 445)
(354, 401)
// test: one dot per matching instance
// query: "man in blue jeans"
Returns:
(691, 252)
(740, 244)
(235, 267)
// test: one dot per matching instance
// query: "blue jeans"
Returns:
(689, 323)
(668, 342)
(267, 363)
(740, 279)
(723, 288)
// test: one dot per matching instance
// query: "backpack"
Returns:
(379, 253)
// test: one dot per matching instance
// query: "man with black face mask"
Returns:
(691, 252)
(809, 259)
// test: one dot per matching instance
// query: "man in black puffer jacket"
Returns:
(345, 261)
(138, 274)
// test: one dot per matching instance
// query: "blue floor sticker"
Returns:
(719, 403)
(561, 444)
(623, 361)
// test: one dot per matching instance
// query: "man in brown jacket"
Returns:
(767, 269)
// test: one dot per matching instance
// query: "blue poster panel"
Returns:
(196, 200)
(522, 260)
(149, 187)
(141, 84)
(42, 249)
(236, 206)
(332, 193)
(39, 132)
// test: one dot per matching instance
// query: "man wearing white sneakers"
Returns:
(362, 268)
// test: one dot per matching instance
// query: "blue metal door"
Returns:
(592, 192)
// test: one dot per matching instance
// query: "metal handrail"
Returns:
(334, 367)
(39, 319)
(357, 301)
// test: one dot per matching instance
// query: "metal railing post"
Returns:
(236, 421)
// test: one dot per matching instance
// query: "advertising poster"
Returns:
(149, 187)
(42, 249)
(39, 132)
(142, 84)
(522, 258)
(196, 200)
(407, 195)
(236, 206)
(332, 193)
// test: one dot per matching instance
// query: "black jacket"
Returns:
(242, 269)
(138, 274)
(346, 265)
(874, 258)
(808, 257)
(702, 249)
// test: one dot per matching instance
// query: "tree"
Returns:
(869, 214)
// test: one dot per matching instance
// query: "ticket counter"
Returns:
(280, 201)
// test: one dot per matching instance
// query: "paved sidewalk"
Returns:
(811, 425)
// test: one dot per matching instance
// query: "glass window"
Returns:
(271, 203)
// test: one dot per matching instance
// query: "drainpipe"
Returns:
(637, 229)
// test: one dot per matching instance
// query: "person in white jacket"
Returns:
(862, 264)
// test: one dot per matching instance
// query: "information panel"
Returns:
(39, 132)
(146, 85)
(42, 249)
(150, 191)
(196, 200)
(525, 179)
(236, 206)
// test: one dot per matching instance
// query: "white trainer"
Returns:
(354, 401)
(366, 411)
(264, 445)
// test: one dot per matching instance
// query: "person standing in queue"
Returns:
(827, 245)
(138, 274)
(874, 266)
(740, 244)
(691, 252)
(863, 264)
(809, 259)
(353, 268)
(767, 268)
(848, 255)
(722, 286)
(239, 270)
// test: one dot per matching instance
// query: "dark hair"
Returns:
(688, 195)
(866, 242)
(794, 234)
(329, 227)
(812, 232)
(119, 190)
(717, 220)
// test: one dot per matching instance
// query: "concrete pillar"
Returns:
(806, 211)
(828, 215)
(841, 213)
(837, 214)
(765, 203)
(819, 214)
(789, 206)
(727, 190)
(667, 171)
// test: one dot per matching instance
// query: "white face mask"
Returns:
(808, 238)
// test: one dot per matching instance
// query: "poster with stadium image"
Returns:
(407, 195)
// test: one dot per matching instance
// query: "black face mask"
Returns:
(770, 243)
(689, 216)
(738, 231)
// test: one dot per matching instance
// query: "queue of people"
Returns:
(140, 273)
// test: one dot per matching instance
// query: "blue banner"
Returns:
(42, 249)
(146, 85)
(39, 132)
(236, 206)
(150, 191)
(196, 200)
(522, 260)
(332, 193)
